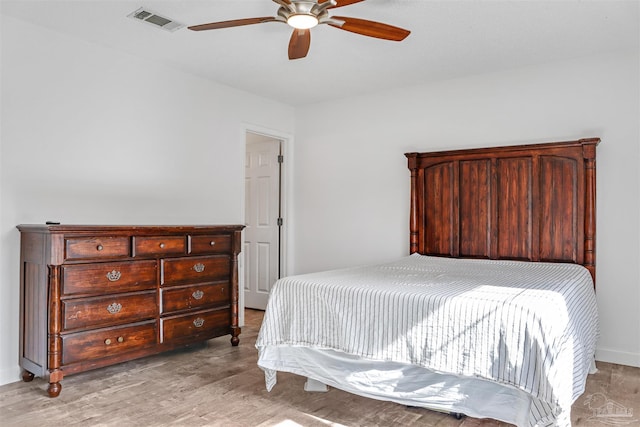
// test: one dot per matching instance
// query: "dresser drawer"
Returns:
(195, 327)
(211, 244)
(109, 277)
(96, 247)
(195, 297)
(195, 270)
(109, 310)
(159, 245)
(107, 342)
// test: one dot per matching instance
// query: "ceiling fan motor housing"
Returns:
(311, 10)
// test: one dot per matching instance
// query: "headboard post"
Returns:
(589, 153)
(413, 215)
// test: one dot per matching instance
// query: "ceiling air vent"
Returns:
(156, 20)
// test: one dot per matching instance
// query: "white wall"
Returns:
(352, 181)
(91, 135)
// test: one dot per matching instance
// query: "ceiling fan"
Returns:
(303, 15)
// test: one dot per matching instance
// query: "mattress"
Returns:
(528, 328)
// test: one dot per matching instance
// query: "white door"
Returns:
(262, 210)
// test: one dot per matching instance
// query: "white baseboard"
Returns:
(8, 376)
(618, 357)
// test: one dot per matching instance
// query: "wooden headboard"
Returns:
(528, 202)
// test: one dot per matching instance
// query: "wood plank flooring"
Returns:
(221, 385)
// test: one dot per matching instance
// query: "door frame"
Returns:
(286, 187)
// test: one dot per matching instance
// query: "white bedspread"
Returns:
(532, 326)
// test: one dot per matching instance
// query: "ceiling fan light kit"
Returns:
(303, 15)
(302, 22)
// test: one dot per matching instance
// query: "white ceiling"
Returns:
(449, 38)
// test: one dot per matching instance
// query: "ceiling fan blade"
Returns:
(299, 44)
(340, 3)
(232, 23)
(371, 28)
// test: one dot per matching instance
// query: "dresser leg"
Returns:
(234, 336)
(27, 376)
(54, 389)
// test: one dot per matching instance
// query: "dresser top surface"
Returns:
(127, 229)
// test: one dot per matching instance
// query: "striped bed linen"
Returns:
(532, 326)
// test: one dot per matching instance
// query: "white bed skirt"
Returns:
(396, 382)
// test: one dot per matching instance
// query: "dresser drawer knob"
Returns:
(212, 243)
(113, 275)
(198, 322)
(99, 247)
(199, 267)
(108, 340)
(161, 245)
(114, 307)
(197, 294)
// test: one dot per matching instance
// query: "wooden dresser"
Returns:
(92, 296)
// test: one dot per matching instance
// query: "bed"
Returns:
(492, 314)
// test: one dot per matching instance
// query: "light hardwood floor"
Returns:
(221, 385)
